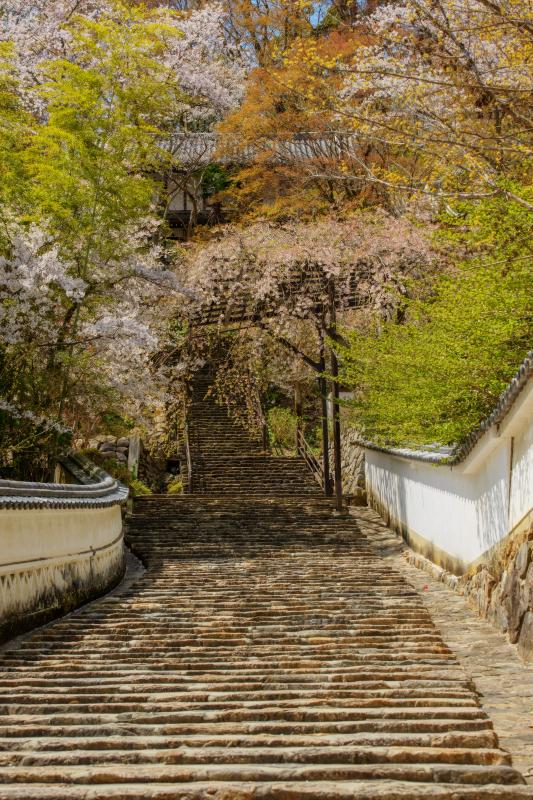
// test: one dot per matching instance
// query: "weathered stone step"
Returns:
(278, 727)
(167, 685)
(108, 705)
(268, 713)
(246, 755)
(311, 790)
(166, 631)
(306, 645)
(154, 696)
(152, 773)
(242, 669)
(240, 675)
(474, 739)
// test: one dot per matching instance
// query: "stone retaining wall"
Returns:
(500, 591)
(353, 466)
(143, 465)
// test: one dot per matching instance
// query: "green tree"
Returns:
(110, 107)
(435, 377)
(79, 200)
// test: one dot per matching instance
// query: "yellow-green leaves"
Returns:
(434, 377)
(110, 107)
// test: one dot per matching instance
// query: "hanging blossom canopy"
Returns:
(283, 272)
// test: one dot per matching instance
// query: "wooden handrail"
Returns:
(312, 462)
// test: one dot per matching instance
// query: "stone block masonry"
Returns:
(500, 591)
(353, 466)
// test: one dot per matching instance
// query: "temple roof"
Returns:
(200, 149)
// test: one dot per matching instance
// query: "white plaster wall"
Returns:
(53, 559)
(466, 509)
(28, 535)
(522, 476)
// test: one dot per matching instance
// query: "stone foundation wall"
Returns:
(353, 466)
(148, 468)
(501, 591)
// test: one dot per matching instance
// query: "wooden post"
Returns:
(134, 454)
(323, 389)
(298, 411)
(337, 454)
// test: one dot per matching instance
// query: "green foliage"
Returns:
(15, 127)
(115, 468)
(175, 486)
(29, 446)
(116, 424)
(434, 378)
(215, 179)
(496, 226)
(118, 470)
(90, 165)
(138, 488)
(282, 427)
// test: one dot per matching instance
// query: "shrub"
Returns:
(175, 486)
(138, 488)
(282, 427)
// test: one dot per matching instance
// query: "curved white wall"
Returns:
(61, 544)
(455, 514)
(54, 559)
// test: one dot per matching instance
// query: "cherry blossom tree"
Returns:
(105, 356)
(446, 89)
(287, 267)
(208, 67)
(270, 285)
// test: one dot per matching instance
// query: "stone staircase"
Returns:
(267, 653)
(226, 460)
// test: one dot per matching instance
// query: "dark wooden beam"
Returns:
(337, 454)
(323, 389)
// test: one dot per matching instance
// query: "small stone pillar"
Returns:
(134, 454)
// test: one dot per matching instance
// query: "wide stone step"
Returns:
(235, 696)
(169, 773)
(311, 790)
(306, 703)
(334, 713)
(85, 728)
(269, 755)
(100, 742)
(267, 790)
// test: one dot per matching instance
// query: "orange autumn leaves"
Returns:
(285, 102)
